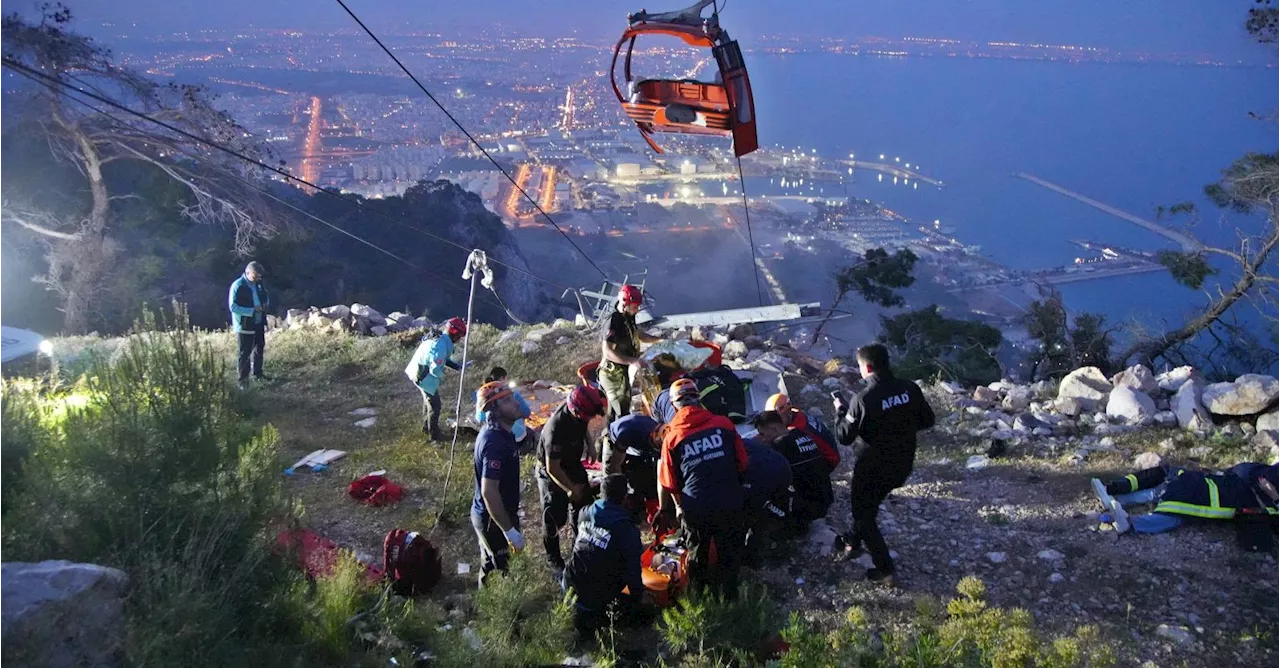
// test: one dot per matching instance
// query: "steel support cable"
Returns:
(746, 208)
(19, 67)
(472, 139)
(272, 196)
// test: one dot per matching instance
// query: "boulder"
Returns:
(318, 321)
(741, 332)
(735, 350)
(421, 323)
(378, 330)
(831, 383)
(985, 394)
(529, 347)
(1170, 381)
(336, 311)
(1137, 377)
(1130, 404)
(1268, 422)
(1017, 399)
(536, 335)
(1249, 394)
(1146, 460)
(561, 323)
(1028, 422)
(1166, 419)
(1267, 444)
(398, 321)
(59, 613)
(1073, 406)
(1187, 408)
(754, 342)
(1043, 389)
(297, 317)
(368, 313)
(1085, 383)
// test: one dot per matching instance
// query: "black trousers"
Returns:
(1140, 480)
(765, 518)
(867, 491)
(556, 511)
(494, 552)
(250, 346)
(727, 530)
(430, 414)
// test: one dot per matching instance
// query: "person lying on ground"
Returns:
(1180, 494)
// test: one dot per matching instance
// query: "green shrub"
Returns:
(708, 629)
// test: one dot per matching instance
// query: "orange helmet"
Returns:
(777, 402)
(492, 392)
(684, 392)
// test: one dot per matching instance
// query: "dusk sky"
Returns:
(1206, 26)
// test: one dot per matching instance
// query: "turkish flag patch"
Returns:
(495, 464)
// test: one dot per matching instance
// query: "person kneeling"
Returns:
(605, 560)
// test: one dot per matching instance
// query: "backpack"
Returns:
(411, 562)
(729, 396)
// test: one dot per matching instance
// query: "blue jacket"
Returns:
(496, 458)
(663, 410)
(243, 296)
(606, 556)
(426, 367)
(518, 429)
(767, 472)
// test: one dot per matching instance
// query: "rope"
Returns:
(457, 409)
(742, 180)
(471, 138)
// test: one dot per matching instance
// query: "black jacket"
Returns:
(887, 413)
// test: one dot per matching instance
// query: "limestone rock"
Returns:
(1249, 394)
(318, 321)
(1085, 383)
(59, 613)
(1187, 407)
(368, 313)
(378, 330)
(335, 312)
(1170, 381)
(753, 342)
(1073, 406)
(985, 394)
(529, 347)
(1130, 404)
(741, 332)
(1146, 460)
(1269, 421)
(1137, 377)
(1017, 399)
(735, 350)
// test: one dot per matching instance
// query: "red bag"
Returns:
(411, 562)
(375, 490)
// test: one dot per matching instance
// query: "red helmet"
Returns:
(587, 402)
(629, 295)
(455, 327)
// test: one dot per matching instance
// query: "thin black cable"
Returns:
(19, 67)
(269, 194)
(746, 208)
(473, 139)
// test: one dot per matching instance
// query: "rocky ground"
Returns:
(1000, 490)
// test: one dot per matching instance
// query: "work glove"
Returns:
(515, 538)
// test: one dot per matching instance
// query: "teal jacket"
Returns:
(426, 367)
(241, 300)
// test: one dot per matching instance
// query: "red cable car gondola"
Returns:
(686, 106)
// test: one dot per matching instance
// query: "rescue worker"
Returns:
(700, 476)
(810, 471)
(248, 302)
(620, 351)
(1180, 493)
(496, 504)
(886, 414)
(499, 375)
(562, 479)
(722, 391)
(605, 560)
(767, 484)
(632, 449)
(426, 370)
(794, 418)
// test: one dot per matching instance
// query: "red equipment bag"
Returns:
(411, 562)
(375, 490)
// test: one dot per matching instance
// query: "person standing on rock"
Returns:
(620, 351)
(495, 507)
(886, 414)
(248, 302)
(426, 370)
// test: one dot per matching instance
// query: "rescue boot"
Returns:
(847, 547)
(878, 576)
(1100, 491)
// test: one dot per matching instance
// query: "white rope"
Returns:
(477, 265)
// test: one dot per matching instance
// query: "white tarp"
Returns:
(18, 342)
